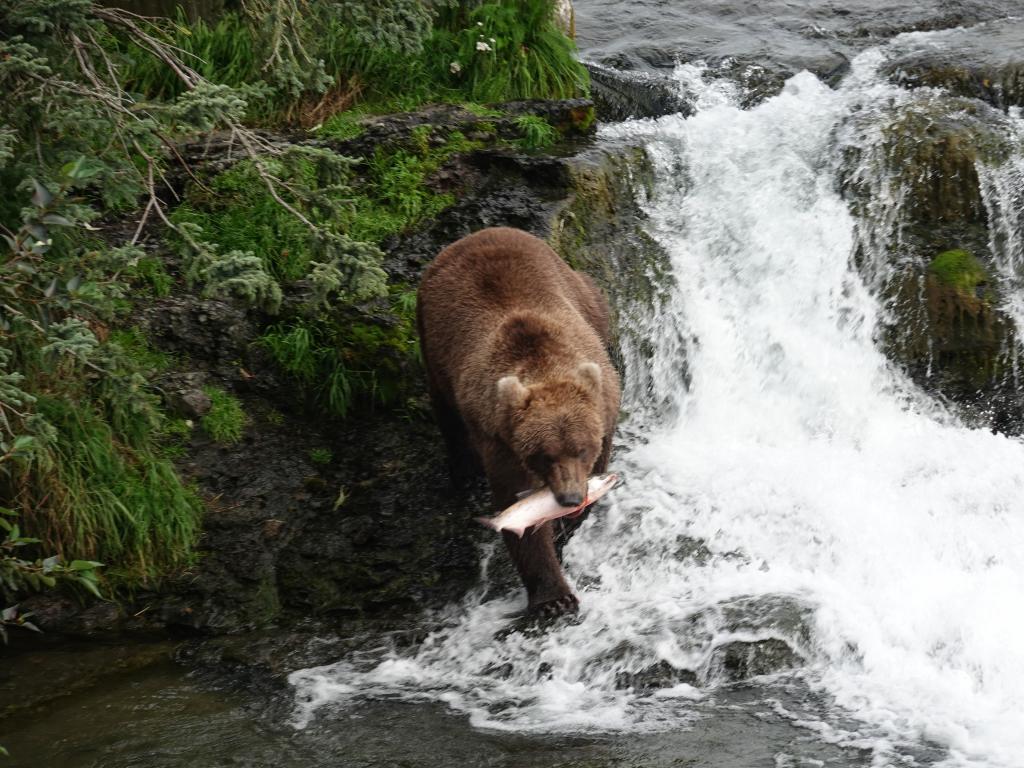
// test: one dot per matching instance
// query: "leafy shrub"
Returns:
(19, 575)
(78, 424)
(268, 244)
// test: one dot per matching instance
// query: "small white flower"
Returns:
(455, 67)
(482, 46)
(479, 23)
(189, 423)
(492, 40)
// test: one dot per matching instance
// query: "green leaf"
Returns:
(23, 443)
(91, 586)
(83, 565)
(83, 168)
(41, 197)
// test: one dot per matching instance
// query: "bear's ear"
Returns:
(590, 376)
(512, 392)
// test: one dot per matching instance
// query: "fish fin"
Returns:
(517, 531)
(528, 492)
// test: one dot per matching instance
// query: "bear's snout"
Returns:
(570, 498)
(568, 482)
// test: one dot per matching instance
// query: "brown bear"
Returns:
(514, 343)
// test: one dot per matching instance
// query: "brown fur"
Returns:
(515, 348)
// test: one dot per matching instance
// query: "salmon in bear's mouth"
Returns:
(541, 506)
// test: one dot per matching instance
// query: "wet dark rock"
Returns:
(984, 62)
(209, 330)
(571, 117)
(655, 677)
(742, 660)
(620, 95)
(183, 394)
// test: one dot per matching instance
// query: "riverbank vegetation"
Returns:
(100, 214)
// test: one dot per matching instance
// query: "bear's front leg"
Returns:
(547, 591)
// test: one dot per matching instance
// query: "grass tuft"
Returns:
(537, 132)
(110, 502)
(226, 420)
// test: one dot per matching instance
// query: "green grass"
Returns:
(394, 195)
(390, 194)
(344, 125)
(238, 213)
(150, 275)
(225, 51)
(524, 57)
(480, 110)
(342, 360)
(226, 420)
(106, 501)
(537, 132)
(139, 351)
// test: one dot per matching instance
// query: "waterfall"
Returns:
(799, 493)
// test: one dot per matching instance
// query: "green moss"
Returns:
(226, 419)
(173, 437)
(583, 118)
(958, 269)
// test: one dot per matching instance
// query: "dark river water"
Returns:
(846, 515)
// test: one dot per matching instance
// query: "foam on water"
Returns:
(800, 488)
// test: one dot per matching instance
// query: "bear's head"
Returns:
(556, 428)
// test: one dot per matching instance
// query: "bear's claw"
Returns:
(560, 606)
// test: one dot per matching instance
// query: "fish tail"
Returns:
(487, 521)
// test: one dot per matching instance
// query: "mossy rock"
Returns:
(949, 332)
(600, 230)
(959, 269)
(928, 155)
(985, 61)
(934, 148)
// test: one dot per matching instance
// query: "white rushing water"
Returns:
(801, 490)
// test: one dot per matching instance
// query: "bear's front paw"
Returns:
(559, 606)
